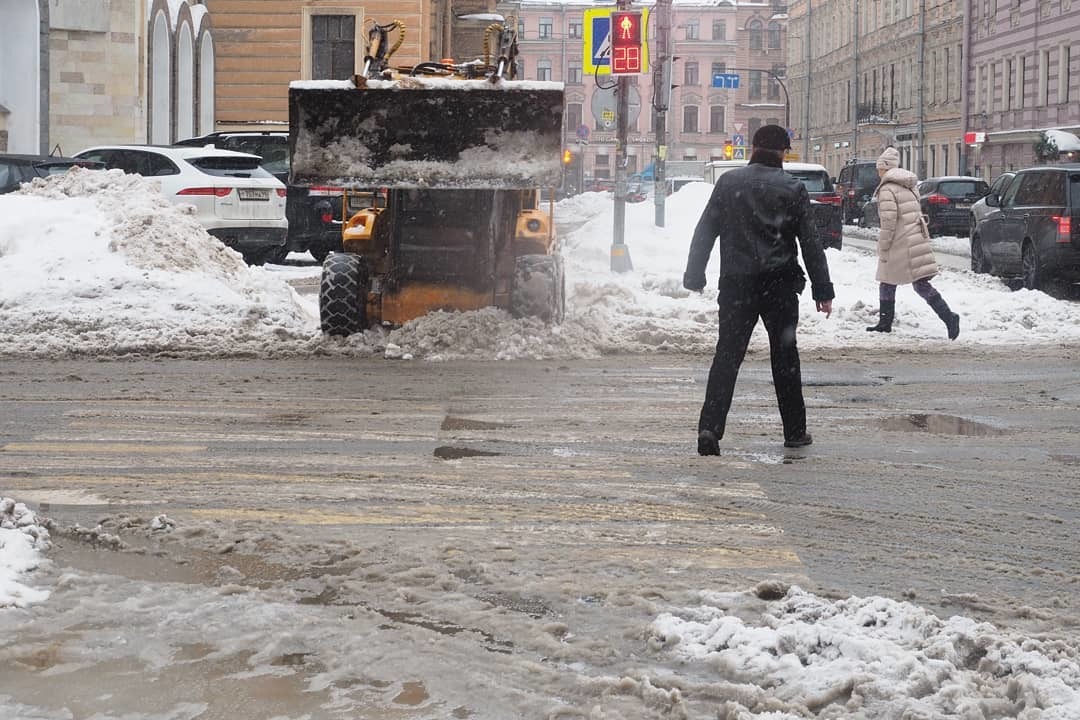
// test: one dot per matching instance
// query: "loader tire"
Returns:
(343, 294)
(539, 288)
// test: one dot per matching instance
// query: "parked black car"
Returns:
(314, 213)
(946, 202)
(1033, 231)
(824, 199)
(979, 208)
(855, 184)
(18, 169)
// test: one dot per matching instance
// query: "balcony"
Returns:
(875, 114)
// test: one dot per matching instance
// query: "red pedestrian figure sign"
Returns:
(626, 43)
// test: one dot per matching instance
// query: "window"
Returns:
(774, 36)
(716, 119)
(576, 29)
(774, 84)
(333, 47)
(1043, 96)
(543, 69)
(690, 119)
(690, 74)
(521, 29)
(718, 68)
(573, 74)
(755, 35)
(755, 85)
(692, 30)
(1040, 188)
(573, 117)
(1021, 72)
(1064, 73)
(754, 124)
(719, 30)
(545, 28)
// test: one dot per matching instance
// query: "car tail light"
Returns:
(851, 192)
(327, 218)
(217, 192)
(282, 192)
(324, 191)
(831, 200)
(1064, 227)
(938, 199)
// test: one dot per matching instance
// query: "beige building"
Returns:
(866, 75)
(75, 73)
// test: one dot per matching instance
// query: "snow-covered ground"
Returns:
(98, 264)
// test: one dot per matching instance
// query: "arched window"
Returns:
(160, 81)
(755, 34)
(206, 84)
(774, 36)
(185, 83)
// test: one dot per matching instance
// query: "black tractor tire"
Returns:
(979, 262)
(343, 294)
(1032, 266)
(539, 288)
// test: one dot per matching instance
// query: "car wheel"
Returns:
(343, 294)
(277, 255)
(979, 262)
(319, 253)
(1033, 272)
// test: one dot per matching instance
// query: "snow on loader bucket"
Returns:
(426, 132)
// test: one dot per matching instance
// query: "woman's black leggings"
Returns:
(887, 292)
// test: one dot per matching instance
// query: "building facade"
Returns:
(866, 75)
(1023, 78)
(707, 37)
(75, 73)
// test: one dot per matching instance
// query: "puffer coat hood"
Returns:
(904, 252)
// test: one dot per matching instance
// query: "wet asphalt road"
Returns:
(948, 479)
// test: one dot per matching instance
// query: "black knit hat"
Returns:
(772, 137)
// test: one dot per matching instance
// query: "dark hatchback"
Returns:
(18, 169)
(946, 202)
(1033, 230)
(314, 213)
(825, 201)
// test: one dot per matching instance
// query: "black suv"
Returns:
(855, 184)
(18, 169)
(314, 213)
(824, 201)
(946, 202)
(1033, 231)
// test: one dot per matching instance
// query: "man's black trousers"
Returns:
(742, 300)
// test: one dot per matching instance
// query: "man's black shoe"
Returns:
(801, 441)
(708, 443)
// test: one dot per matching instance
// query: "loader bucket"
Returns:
(426, 133)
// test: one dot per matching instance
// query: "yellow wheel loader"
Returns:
(442, 164)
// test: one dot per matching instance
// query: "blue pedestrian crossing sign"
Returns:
(597, 45)
(740, 153)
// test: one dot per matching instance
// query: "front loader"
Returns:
(442, 164)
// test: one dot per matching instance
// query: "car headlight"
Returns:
(533, 225)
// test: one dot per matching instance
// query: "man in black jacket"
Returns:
(756, 212)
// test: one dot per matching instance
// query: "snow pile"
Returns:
(868, 658)
(1065, 141)
(22, 542)
(101, 263)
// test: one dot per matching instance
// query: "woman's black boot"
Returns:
(887, 312)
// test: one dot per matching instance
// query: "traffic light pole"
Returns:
(620, 254)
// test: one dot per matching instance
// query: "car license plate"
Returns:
(962, 206)
(254, 194)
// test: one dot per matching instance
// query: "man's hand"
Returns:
(825, 306)
(695, 283)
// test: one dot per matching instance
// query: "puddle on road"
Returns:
(445, 452)
(940, 425)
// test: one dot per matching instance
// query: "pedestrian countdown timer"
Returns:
(626, 46)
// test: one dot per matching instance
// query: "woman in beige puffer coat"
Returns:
(904, 252)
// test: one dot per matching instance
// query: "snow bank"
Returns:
(22, 544)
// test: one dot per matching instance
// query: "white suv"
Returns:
(235, 199)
